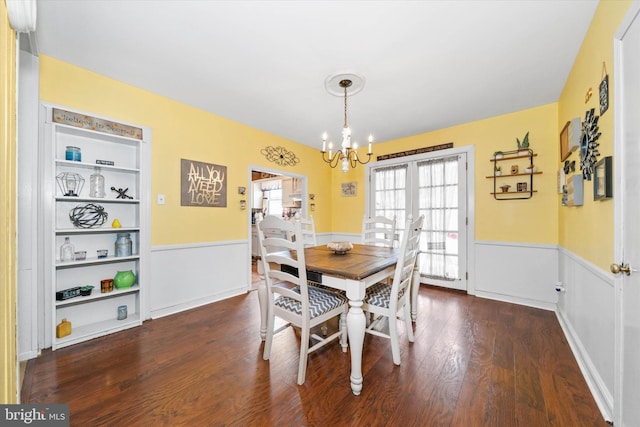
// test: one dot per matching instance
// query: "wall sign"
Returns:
(415, 151)
(203, 184)
(604, 90)
(94, 123)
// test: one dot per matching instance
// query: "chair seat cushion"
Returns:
(379, 295)
(320, 302)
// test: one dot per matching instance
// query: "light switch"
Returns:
(160, 199)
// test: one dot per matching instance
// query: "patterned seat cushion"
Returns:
(320, 301)
(379, 295)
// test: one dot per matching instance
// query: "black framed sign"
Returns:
(604, 91)
(602, 185)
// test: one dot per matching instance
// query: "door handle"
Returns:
(622, 268)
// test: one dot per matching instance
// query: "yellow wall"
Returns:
(533, 221)
(588, 230)
(8, 188)
(180, 131)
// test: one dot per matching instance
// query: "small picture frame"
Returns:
(602, 182)
(349, 189)
(564, 142)
(521, 187)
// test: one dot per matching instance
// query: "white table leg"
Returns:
(356, 324)
(262, 300)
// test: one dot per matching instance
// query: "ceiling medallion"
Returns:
(280, 156)
(588, 144)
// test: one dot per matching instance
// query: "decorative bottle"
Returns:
(96, 188)
(67, 251)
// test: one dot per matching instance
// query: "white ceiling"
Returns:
(427, 64)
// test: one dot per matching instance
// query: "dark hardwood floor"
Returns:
(475, 362)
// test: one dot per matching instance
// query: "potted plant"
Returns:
(498, 154)
(505, 188)
(497, 171)
(523, 146)
(531, 168)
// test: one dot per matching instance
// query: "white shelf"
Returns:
(96, 295)
(92, 166)
(63, 231)
(98, 329)
(95, 200)
(96, 260)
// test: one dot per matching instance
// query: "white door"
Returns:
(442, 199)
(433, 185)
(627, 226)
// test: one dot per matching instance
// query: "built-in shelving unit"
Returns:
(96, 314)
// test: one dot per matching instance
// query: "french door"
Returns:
(433, 185)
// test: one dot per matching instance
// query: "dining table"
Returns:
(353, 272)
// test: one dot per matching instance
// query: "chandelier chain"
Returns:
(346, 124)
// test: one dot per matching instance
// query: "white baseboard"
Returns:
(517, 300)
(169, 310)
(602, 396)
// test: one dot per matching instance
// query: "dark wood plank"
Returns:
(471, 365)
(361, 262)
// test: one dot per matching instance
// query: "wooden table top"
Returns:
(360, 262)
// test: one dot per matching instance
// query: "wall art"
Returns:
(589, 144)
(349, 189)
(602, 179)
(604, 90)
(280, 156)
(203, 184)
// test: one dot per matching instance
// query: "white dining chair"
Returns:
(308, 231)
(385, 301)
(290, 297)
(379, 230)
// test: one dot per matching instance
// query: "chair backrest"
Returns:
(308, 231)
(407, 255)
(277, 250)
(379, 231)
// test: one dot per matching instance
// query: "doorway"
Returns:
(272, 192)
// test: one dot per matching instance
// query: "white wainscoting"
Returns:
(586, 311)
(520, 273)
(339, 237)
(188, 276)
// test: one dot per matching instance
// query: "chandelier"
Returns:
(347, 154)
